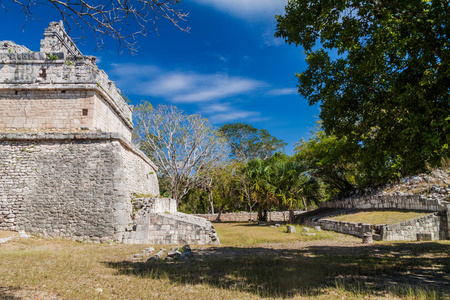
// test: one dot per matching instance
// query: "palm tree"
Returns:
(292, 183)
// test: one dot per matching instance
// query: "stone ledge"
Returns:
(410, 202)
(75, 86)
(50, 136)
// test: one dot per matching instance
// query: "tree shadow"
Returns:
(6, 293)
(307, 271)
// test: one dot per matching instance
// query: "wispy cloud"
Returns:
(247, 9)
(282, 92)
(225, 112)
(269, 38)
(219, 57)
(182, 87)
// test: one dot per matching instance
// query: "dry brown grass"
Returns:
(380, 217)
(7, 234)
(273, 264)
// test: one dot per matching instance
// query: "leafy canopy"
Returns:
(381, 73)
(247, 142)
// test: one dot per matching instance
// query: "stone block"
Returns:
(290, 229)
(425, 236)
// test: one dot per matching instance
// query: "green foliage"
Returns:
(281, 183)
(226, 186)
(195, 202)
(330, 160)
(52, 56)
(381, 76)
(247, 142)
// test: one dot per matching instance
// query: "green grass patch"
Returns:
(387, 217)
(252, 234)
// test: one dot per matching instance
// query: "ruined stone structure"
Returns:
(68, 167)
(434, 226)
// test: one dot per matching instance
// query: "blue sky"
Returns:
(228, 68)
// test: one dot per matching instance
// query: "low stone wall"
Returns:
(428, 226)
(276, 216)
(409, 230)
(411, 202)
(171, 229)
(356, 229)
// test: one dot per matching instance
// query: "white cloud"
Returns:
(269, 38)
(216, 87)
(216, 108)
(170, 83)
(282, 92)
(247, 9)
(128, 70)
(234, 116)
(182, 87)
(225, 112)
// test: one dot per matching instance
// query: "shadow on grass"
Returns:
(308, 271)
(6, 293)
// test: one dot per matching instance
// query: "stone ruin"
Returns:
(68, 167)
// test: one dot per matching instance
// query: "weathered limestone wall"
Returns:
(67, 185)
(105, 119)
(178, 228)
(276, 216)
(356, 229)
(49, 187)
(140, 172)
(412, 202)
(56, 93)
(33, 110)
(156, 221)
(413, 230)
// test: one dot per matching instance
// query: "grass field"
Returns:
(379, 217)
(253, 262)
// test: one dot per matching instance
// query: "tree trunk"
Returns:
(291, 216)
(264, 216)
(260, 215)
(219, 214)
(212, 207)
(304, 204)
(211, 202)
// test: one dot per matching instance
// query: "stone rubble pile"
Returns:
(432, 186)
(164, 254)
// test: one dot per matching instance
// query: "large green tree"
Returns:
(247, 142)
(330, 160)
(381, 73)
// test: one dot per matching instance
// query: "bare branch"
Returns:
(183, 146)
(106, 18)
